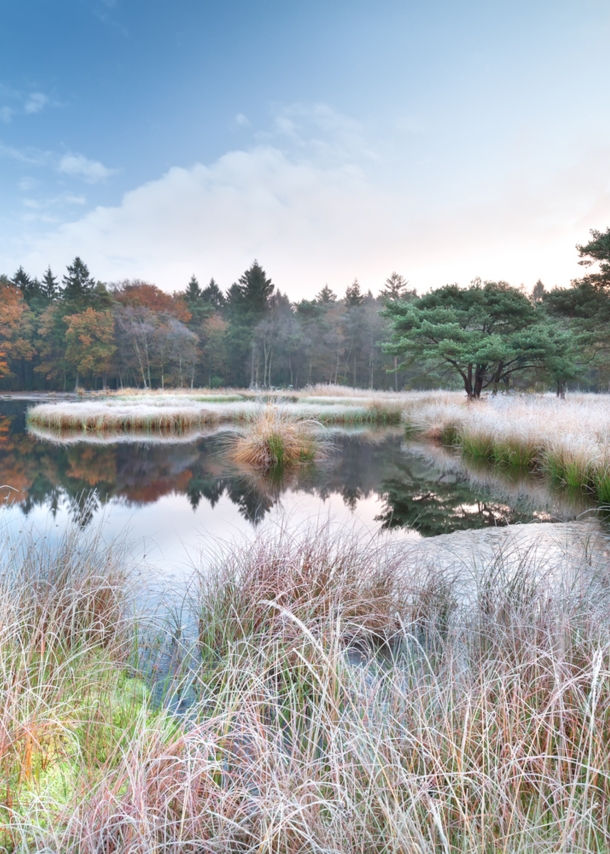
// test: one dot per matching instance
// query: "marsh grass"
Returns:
(169, 414)
(275, 440)
(249, 591)
(351, 697)
(66, 699)
(569, 440)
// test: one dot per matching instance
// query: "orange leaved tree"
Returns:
(90, 343)
(15, 329)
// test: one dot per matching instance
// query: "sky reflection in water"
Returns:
(172, 499)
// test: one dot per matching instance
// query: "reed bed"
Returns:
(349, 697)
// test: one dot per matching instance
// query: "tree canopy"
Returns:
(485, 336)
(484, 333)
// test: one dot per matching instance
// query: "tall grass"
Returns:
(66, 701)
(355, 697)
(569, 440)
(275, 439)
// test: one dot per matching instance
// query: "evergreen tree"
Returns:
(395, 288)
(213, 296)
(483, 333)
(193, 291)
(194, 302)
(353, 326)
(256, 290)
(248, 302)
(78, 283)
(30, 288)
(353, 295)
(49, 286)
(597, 251)
(22, 281)
(325, 296)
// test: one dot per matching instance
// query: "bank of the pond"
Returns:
(567, 439)
(344, 695)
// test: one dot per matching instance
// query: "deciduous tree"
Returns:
(15, 329)
(90, 342)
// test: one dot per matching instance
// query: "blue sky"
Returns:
(330, 140)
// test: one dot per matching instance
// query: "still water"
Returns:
(173, 499)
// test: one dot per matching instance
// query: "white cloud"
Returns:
(242, 120)
(35, 102)
(54, 202)
(79, 166)
(31, 156)
(26, 184)
(319, 212)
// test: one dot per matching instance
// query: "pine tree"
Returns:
(49, 286)
(325, 296)
(78, 283)
(395, 288)
(353, 295)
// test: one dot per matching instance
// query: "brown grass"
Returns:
(317, 580)
(276, 439)
(64, 640)
(484, 727)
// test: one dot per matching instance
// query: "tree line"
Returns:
(58, 335)
(61, 335)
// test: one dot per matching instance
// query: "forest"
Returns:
(82, 333)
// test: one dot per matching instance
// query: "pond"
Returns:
(173, 498)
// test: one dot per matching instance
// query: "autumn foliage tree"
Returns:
(15, 329)
(90, 343)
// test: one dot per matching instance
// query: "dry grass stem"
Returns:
(347, 697)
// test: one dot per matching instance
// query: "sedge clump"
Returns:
(274, 439)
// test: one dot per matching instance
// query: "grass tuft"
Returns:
(275, 439)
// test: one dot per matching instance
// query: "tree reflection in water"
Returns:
(416, 492)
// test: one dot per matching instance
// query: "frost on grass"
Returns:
(355, 697)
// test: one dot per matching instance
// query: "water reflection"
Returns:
(424, 490)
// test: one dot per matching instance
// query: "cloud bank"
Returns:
(323, 212)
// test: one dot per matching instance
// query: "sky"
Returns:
(328, 139)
